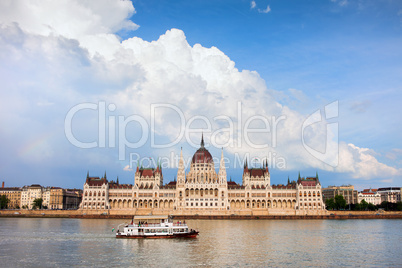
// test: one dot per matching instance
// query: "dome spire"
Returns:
(202, 140)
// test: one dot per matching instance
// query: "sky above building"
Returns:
(306, 86)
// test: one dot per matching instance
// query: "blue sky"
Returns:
(291, 59)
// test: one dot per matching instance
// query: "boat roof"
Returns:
(154, 217)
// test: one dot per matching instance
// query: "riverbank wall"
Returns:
(104, 214)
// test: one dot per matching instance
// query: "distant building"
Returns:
(46, 197)
(29, 194)
(13, 194)
(203, 191)
(370, 196)
(56, 198)
(53, 197)
(347, 191)
(390, 194)
(96, 193)
(72, 198)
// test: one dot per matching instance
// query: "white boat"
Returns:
(155, 227)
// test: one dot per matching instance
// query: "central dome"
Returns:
(202, 155)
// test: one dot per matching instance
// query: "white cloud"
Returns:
(361, 163)
(127, 168)
(253, 4)
(70, 18)
(266, 10)
(64, 64)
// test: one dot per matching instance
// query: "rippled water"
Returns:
(222, 243)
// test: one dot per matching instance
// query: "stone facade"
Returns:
(96, 193)
(30, 193)
(203, 191)
(390, 194)
(370, 196)
(347, 191)
(13, 194)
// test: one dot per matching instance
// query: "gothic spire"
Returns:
(180, 172)
(202, 140)
(88, 174)
(222, 169)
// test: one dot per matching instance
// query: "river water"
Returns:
(32, 242)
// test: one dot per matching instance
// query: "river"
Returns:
(46, 242)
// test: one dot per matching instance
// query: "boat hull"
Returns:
(156, 236)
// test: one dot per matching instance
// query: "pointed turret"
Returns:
(105, 175)
(202, 140)
(180, 171)
(88, 174)
(117, 181)
(222, 170)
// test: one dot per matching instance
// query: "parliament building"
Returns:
(203, 191)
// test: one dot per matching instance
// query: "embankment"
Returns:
(100, 214)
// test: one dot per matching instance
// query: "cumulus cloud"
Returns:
(63, 64)
(253, 5)
(69, 18)
(362, 163)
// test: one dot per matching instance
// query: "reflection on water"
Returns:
(90, 242)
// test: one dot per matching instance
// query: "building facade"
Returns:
(347, 191)
(56, 198)
(204, 191)
(390, 194)
(29, 194)
(13, 194)
(370, 196)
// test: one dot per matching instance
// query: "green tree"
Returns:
(371, 207)
(340, 202)
(363, 205)
(37, 203)
(4, 202)
(330, 204)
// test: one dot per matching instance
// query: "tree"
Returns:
(4, 202)
(363, 205)
(37, 203)
(330, 204)
(371, 207)
(340, 202)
